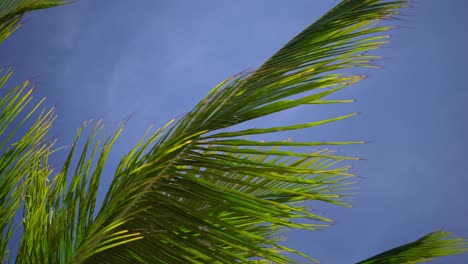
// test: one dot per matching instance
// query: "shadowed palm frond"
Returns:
(197, 190)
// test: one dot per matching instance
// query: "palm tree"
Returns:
(196, 190)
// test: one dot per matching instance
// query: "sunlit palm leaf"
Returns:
(197, 190)
(18, 154)
(428, 247)
(203, 195)
(11, 12)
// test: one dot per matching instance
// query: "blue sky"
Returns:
(156, 59)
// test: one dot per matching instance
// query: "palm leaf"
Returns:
(11, 12)
(18, 154)
(436, 244)
(201, 194)
(197, 190)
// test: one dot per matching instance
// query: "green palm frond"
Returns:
(11, 12)
(197, 190)
(18, 155)
(428, 247)
(210, 195)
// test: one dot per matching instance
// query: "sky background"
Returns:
(157, 59)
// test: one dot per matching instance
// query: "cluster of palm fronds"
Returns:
(196, 190)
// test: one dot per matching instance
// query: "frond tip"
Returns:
(11, 12)
(428, 247)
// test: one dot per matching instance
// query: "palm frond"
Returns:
(197, 190)
(197, 193)
(18, 154)
(64, 210)
(11, 12)
(426, 248)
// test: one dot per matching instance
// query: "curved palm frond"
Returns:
(426, 248)
(198, 194)
(11, 12)
(197, 190)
